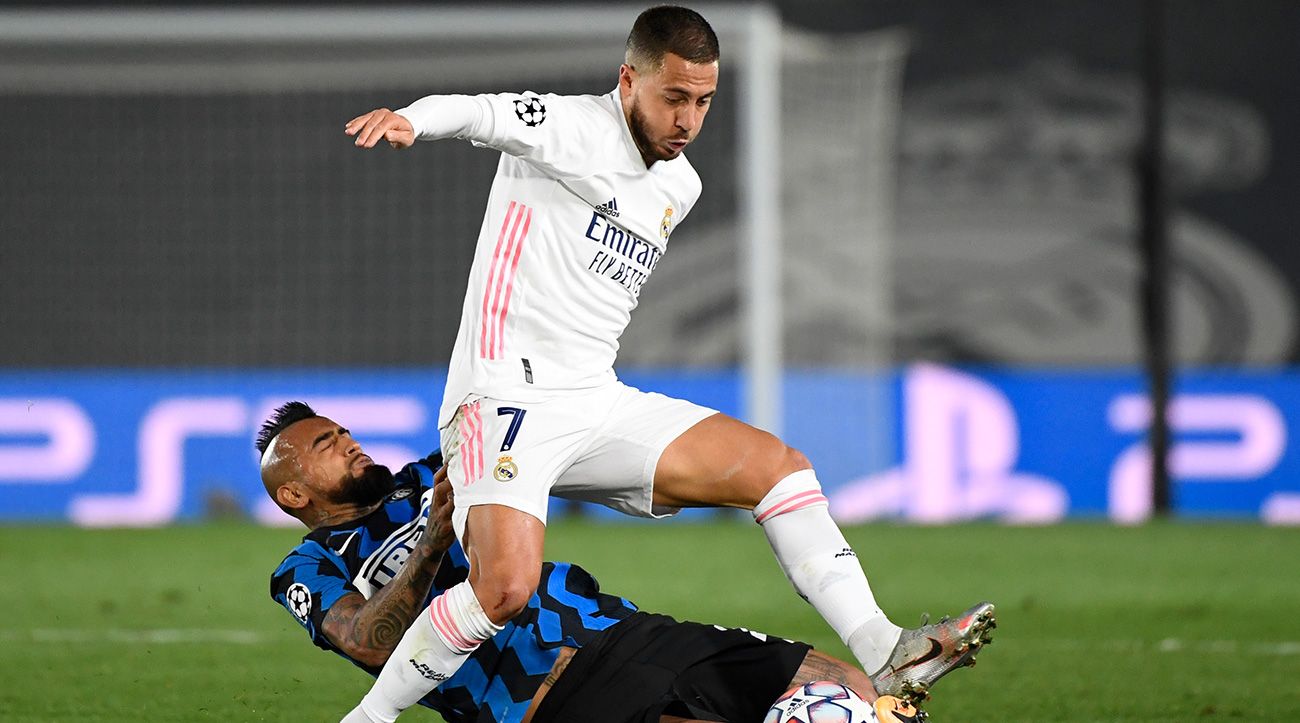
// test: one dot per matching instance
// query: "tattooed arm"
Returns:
(368, 630)
(818, 666)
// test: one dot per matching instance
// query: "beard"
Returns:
(372, 485)
(641, 135)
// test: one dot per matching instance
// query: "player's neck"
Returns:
(339, 515)
(646, 157)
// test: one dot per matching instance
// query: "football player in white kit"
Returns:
(587, 193)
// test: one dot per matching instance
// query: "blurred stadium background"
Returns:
(932, 252)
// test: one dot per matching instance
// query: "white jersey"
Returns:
(575, 224)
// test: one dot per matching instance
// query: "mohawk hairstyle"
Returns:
(670, 29)
(286, 415)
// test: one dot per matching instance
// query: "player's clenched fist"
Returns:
(381, 123)
(439, 531)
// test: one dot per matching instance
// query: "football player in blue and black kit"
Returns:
(381, 548)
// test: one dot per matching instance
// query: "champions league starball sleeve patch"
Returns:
(298, 600)
(531, 111)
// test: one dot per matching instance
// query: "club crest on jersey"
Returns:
(401, 494)
(506, 469)
(666, 225)
(531, 111)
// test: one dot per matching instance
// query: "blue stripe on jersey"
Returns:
(555, 624)
(323, 575)
(535, 660)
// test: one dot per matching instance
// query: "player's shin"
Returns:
(431, 651)
(823, 568)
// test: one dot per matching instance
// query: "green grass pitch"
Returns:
(1167, 622)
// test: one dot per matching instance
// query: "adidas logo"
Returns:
(609, 208)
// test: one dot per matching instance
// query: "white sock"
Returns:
(824, 569)
(431, 651)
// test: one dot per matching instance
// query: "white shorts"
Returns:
(598, 445)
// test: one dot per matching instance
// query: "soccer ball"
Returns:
(821, 702)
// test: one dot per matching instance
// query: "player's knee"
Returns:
(787, 461)
(505, 597)
(792, 461)
(784, 462)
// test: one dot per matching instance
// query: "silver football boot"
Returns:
(926, 654)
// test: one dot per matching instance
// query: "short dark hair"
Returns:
(287, 414)
(670, 29)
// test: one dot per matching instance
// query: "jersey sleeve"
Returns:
(546, 130)
(421, 472)
(309, 581)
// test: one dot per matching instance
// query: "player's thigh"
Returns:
(722, 462)
(508, 453)
(617, 469)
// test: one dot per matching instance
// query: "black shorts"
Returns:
(651, 665)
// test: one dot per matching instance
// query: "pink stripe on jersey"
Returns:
(505, 278)
(500, 331)
(478, 438)
(470, 428)
(463, 429)
(493, 271)
(796, 502)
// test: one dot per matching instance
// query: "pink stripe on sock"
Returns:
(446, 625)
(792, 503)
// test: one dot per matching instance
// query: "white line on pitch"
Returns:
(118, 635)
(1174, 645)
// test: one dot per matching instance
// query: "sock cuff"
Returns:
(459, 620)
(799, 490)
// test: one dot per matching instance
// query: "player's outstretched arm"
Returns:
(381, 124)
(368, 630)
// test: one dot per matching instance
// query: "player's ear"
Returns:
(290, 496)
(626, 74)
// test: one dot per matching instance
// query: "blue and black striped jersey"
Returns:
(499, 679)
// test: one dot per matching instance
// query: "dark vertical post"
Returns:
(1152, 204)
